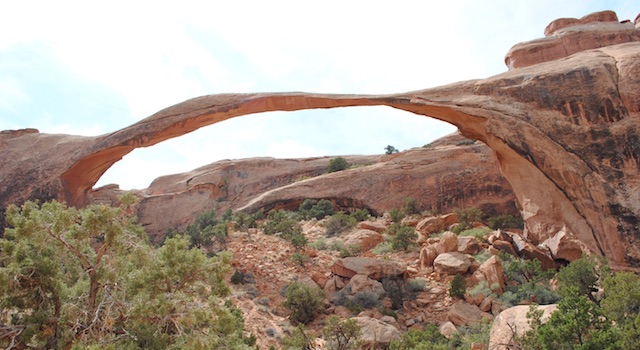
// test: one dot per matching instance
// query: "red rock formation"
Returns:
(565, 132)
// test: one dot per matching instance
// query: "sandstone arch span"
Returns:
(565, 133)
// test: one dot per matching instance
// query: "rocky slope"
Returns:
(441, 178)
(562, 123)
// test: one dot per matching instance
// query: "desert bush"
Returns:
(390, 150)
(342, 335)
(344, 250)
(528, 281)
(396, 215)
(361, 214)
(411, 206)
(416, 285)
(303, 301)
(382, 248)
(580, 275)
(428, 339)
(398, 290)
(313, 209)
(466, 218)
(283, 223)
(338, 223)
(465, 142)
(477, 232)
(299, 258)
(299, 339)
(458, 287)
(405, 237)
(337, 164)
(505, 221)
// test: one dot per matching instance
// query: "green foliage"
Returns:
(477, 232)
(338, 223)
(205, 231)
(466, 218)
(465, 142)
(344, 250)
(580, 274)
(337, 164)
(303, 301)
(87, 278)
(396, 215)
(458, 287)
(284, 224)
(299, 339)
(528, 282)
(313, 209)
(622, 296)
(361, 214)
(382, 248)
(342, 335)
(578, 324)
(362, 300)
(299, 258)
(390, 150)
(428, 339)
(411, 206)
(399, 291)
(405, 237)
(505, 221)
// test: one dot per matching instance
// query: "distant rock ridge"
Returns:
(562, 123)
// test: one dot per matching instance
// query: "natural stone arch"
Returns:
(565, 133)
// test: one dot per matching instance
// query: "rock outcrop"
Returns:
(513, 322)
(565, 133)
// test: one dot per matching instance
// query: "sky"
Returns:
(89, 68)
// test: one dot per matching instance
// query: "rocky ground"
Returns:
(267, 266)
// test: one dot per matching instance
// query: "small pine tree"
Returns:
(458, 287)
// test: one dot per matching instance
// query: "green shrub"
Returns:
(505, 221)
(338, 223)
(399, 291)
(527, 281)
(342, 335)
(337, 164)
(416, 285)
(361, 215)
(477, 232)
(411, 206)
(405, 237)
(299, 258)
(283, 223)
(396, 215)
(303, 301)
(465, 142)
(428, 339)
(312, 209)
(390, 150)
(458, 287)
(237, 277)
(466, 218)
(345, 251)
(383, 248)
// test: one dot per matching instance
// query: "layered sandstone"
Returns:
(565, 132)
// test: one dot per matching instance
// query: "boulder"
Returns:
(469, 245)
(448, 329)
(364, 239)
(505, 247)
(448, 243)
(427, 255)
(373, 226)
(375, 333)
(362, 283)
(433, 224)
(564, 246)
(492, 272)
(452, 263)
(462, 313)
(376, 269)
(514, 320)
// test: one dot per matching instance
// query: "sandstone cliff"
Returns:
(562, 122)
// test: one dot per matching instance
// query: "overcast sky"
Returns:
(89, 68)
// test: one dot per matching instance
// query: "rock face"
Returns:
(375, 333)
(564, 131)
(514, 319)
